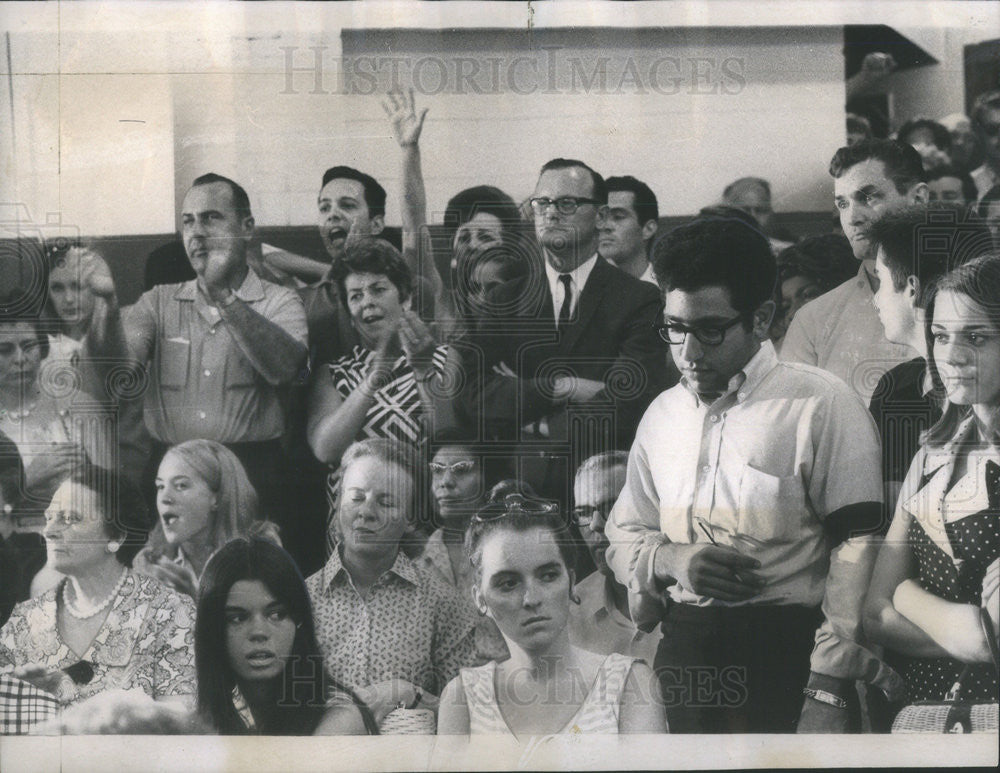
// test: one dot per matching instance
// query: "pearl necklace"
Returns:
(90, 611)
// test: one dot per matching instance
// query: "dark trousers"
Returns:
(735, 669)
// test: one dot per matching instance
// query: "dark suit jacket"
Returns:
(610, 339)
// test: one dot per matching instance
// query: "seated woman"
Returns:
(259, 667)
(395, 379)
(387, 628)
(104, 626)
(204, 500)
(938, 570)
(522, 555)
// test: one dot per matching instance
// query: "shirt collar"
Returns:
(578, 275)
(402, 567)
(252, 289)
(749, 377)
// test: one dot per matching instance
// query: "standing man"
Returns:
(217, 347)
(840, 331)
(986, 123)
(629, 226)
(574, 337)
(744, 487)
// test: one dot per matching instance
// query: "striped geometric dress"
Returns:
(598, 714)
(397, 410)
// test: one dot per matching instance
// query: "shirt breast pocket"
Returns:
(174, 363)
(771, 507)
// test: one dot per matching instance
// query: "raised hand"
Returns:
(417, 342)
(96, 276)
(406, 124)
(180, 578)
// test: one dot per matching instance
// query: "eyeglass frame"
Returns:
(583, 515)
(514, 504)
(537, 204)
(443, 468)
(662, 330)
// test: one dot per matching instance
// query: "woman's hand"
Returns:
(417, 342)
(383, 697)
(181, 578)
(52, 680)
(406, 124)
(381, 367)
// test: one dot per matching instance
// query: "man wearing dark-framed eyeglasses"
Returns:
(746, 485)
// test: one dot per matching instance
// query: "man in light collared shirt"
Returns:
(217, 347)
(744, 487)
(840, 331)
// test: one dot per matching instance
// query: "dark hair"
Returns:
(41, 339)
(241, 201)
(372, 255)
(726, 212)
(927, 242)
(979, 281)
(903, 165)
(519, 522)
(123, 508)
(859, 124)
(714, 252)
(827, 259)
(941, 137)
(468, 203)
(969, 192)
(306, 685)
(986, 100)
(646, 207)
(600, 187)
(374, 193)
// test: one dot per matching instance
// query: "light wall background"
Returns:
(116, 107)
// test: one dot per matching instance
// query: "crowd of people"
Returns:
(547, 468)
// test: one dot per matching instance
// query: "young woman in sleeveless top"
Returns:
(522, 555)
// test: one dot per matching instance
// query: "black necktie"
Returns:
(567, 299)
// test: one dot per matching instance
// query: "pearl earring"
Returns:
(113, 547)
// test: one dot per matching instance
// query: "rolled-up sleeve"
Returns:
(633, 529)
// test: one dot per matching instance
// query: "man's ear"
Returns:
(913, 288)
(762, 319)
(920, 194)
(649, 230)
(377, 225)
(248, 226)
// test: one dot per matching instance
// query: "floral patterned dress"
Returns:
(146, 642)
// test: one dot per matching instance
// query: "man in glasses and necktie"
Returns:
(749, 491)
(574, 336)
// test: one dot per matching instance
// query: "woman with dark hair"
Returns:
(260, 670)
(104, 626)
(935, 591)
(475, 219)
(807, 270)
(204, 499)
(522, 556)
(395, 379)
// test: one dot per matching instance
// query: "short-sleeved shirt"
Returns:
(201, 385)
(841, 332)
(597, 625)
(410, 626)
(146, 642)
(759, 469)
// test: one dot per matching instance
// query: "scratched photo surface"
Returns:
(499, 385)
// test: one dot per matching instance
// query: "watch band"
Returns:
(825, 697)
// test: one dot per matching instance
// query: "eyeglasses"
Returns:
(455, 468)
(583, 515)
(566, 205)
(515, 504)
(709, 335)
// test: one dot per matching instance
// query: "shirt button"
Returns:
(201, 415)
(707, 468)
(211, 332)
(714, 418)
(207, 372)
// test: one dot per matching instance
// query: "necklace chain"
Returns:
(89, 611)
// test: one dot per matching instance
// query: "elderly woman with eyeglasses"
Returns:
(522, 556)
(103, 626)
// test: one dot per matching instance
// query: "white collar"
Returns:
(578, 276)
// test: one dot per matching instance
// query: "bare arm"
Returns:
(342, 719)
(641, 704)
(956, 628)
(306, 269)
(453, 711)
(272, 351)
